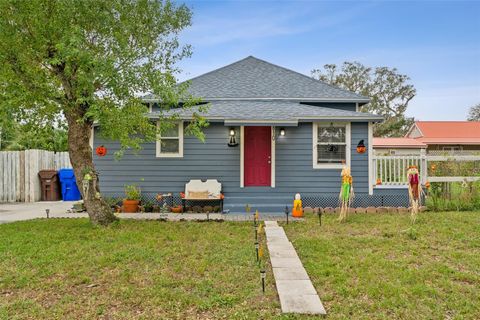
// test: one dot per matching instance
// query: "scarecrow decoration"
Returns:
(414, 191)
(346, 193)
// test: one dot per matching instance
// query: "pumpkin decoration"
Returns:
(379, 181)
(101, 151)
(427, 185)
(361, 148)
(297, 209)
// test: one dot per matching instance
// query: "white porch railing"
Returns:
(392, 170)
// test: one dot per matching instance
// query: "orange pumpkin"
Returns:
(361, 149)
(379, 181)
(101, 151)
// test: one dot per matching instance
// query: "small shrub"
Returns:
(132, 192)
(454, 196)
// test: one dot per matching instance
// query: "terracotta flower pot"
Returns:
(177, 209)
(130, 206)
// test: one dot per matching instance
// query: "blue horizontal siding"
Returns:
(213, 159)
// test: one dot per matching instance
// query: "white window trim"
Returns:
(348, 146)
(180, 144)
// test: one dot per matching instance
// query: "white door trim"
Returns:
(242, 156)
(272, 158)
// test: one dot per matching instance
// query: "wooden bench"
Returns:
(200, 191)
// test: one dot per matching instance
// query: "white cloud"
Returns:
(444, 103)
(221, 26)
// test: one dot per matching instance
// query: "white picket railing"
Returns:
(19, 180)
(392, 170)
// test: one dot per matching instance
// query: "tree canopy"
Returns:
(88, 62)
(388, 90)
(474, 113)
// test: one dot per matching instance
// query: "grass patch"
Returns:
(379, 267)
(65, 268)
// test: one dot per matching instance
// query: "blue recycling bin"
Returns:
(68, 184)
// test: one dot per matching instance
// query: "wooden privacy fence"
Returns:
(392, 170)
(19, 180)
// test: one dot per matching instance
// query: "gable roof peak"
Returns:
(254, 78)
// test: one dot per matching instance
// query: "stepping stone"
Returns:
(271, 224)
(290, 274)
(279, 246)
(295, 287)
(284, 253)
(305, 304)
(286, 262)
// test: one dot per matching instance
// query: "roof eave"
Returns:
(353, 100)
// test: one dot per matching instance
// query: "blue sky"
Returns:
(436, 43)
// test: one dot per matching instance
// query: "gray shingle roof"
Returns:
(268, 111)
(252, 78)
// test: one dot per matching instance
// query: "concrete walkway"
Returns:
(295, 290)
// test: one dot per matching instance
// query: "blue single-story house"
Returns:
(273, 133)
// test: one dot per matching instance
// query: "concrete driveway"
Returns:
(19, 211)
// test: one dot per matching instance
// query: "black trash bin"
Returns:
(49, 185)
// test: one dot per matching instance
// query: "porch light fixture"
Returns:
(233, 141)
(282, 132)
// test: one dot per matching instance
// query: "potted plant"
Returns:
(132, 198)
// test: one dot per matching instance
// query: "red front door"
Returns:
(258, 157)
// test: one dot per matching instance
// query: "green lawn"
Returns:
(375, 267)
(65, 268)
(367, 268)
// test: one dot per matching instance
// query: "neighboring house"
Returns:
(398, 146)
(293, 134)
(434, 137)
(450, 136)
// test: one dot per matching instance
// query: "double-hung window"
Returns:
(331, 145)
(170, 142)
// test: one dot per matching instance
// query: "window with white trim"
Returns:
(170, 142)
(331, 144)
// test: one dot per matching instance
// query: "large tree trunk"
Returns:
(82, 162)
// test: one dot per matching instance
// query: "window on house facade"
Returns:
(331, 144)
(170, 142)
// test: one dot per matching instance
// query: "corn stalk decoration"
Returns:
(346, 193)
